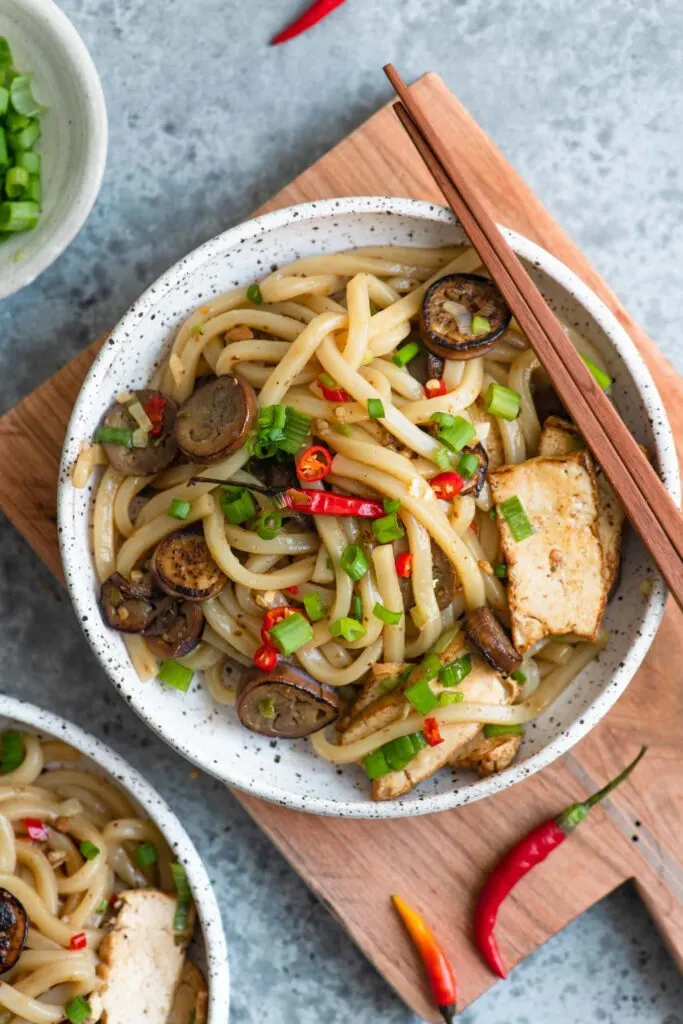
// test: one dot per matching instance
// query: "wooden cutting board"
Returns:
(438, 862)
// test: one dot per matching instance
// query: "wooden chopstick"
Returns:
(646, 501)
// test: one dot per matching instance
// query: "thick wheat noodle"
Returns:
(369, 595)
(401, 381)
(8, 853)
(454, 402)
(392, 600)
(358, 302)
(201, 658)
(298, 354)
(32, 857)
(104, 532)
(416, 256)
(360, 446)
(216, 640)
(129, 489)
(422, 581)
(342, 264)
(428, 513)
(225, 625)
(521, 373)
(256, 563)
(250, 622)
(258, 375)
(283, 544)
(380, 293)
(288, 576)
(462, 513)
(318, 666)
(453, 372)
(90, 456)
(221, 692)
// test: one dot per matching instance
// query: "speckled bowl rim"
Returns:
(131, 781)
(642, 382)
(97, 133)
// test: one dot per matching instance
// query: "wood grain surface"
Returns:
(352, 866)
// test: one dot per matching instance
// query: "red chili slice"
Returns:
(78, 941)
(36, 829)
(292, 590)
(266, 658)
(335, 394)
(435, 388)
(155, 408)
(447, 485)
(430, 728)
(404, 565)
(272, 617)
(314, 464)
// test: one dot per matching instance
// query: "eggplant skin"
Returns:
(176, 630)
(216, 419)
(478, 478)
(122, 610)
(434, 320)
(183, 566)
(485, 632)
(13, 930)
(302, 705)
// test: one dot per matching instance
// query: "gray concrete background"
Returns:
(206, 122)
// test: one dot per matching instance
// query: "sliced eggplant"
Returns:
(435, 366)
(484, 631)
(176, 629)
(123, 609)
(286, 702)
(138, 584)
(474, 484)
(13, 930)
(462, 315)
(158, 453)
(184, 567)
(215, 420)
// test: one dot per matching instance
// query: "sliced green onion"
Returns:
(15, 122)
(327, 380)
(197, 330)
(500, 570)
(430, 665)
(78, 1010)
(357, 608)
(451, 698)
(518, 676)
(176, 675)
(602, 378)
(444, 419)
(493, 513)
(12, 755)
(354, 562)
(398, 752)
(480, 325)
(491, 730)
(388, 685)
(183, 897)
(238, 508)
(445, 640)
(467, 465)
(89, 850)
(254, 294)
(29, 161)
(313, 603)
(385, 616)
(406, 353)
(391, 505)
(291, 633)
(418, 616)
(22, 97)
(454, 673)
(342, 428)
(26, 138)
(442, 457)
(347, 628)
(6, 59)
(514, 515)
(146, 854)
(18, 215)
(375, 764)
(35, 191)
(179, 509)
(418, 740)
(102, 907)
(296, 430)
(266, 707)
(114, 435)
(421, 696)
(4, 154)
(457, 435)
(375, 408)
(394, 755)
(388, 528)
(4, 100)
(268, 525)
(502, 402)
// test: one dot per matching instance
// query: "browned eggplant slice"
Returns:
(462, 315)
(435, 366)
(13, 930)
(216, 419)
(183, 566)
(176, 629)
(484, 631)
(286, 702)
(474, 484)
(158, 453)
(139, 584)
(122, 609)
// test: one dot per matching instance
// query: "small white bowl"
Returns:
(210, 946)
(73, 146)
(211, 736)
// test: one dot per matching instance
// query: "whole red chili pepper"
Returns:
(524, 856)
(327, 503)
(315, 13)
(439, 971)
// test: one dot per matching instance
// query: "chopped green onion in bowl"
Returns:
(20, 190)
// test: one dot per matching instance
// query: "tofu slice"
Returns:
(555, 577)
(140, 962)
(378, 675)
(482, 686)
(191, 997)
(488, 756)
(560, 437)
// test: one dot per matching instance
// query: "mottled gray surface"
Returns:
(585, 98)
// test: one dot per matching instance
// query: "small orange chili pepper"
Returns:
(314, 464)
(437, 965)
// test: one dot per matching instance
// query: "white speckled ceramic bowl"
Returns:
(74, 134)
(209, 949)
(288, 772)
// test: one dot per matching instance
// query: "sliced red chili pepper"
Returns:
(79, 941)
(435, 388)
(154, 408)
(315, 13)
(292, 590)
(525, 855)
(265, 658)
(314, 464)
(473, 526)
(327, 503)
(36, 830)
(437, 965)
(404, 565)
(335, 394)
(430, 727)
(447, 485)
(272, 617)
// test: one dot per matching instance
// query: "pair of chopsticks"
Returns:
(645, 499)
